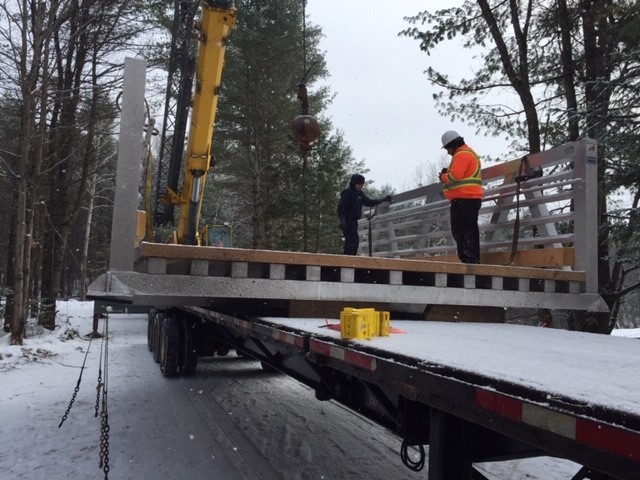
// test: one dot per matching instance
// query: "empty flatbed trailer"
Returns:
(499, 391)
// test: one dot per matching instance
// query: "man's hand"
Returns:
(444, 170)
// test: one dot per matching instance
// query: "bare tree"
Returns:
(588, 96)
(59, 62)
(27, 56)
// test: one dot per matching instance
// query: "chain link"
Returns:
(73, 399)
(77, 389)
(104, 440)
(104, 414)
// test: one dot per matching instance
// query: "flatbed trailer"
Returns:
(468, 391)
(204, 301)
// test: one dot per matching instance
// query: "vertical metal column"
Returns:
(449, 450)
(586, 207)
(123, 224)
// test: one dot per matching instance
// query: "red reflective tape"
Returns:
(360, 360)
(494, 402)
(290, 339)
(244, 324)
(356, 359)
(320, 347)
(610, 439)
(283, 337)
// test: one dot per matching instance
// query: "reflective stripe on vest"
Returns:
(474, 179)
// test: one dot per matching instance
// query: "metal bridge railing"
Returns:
(556, 209)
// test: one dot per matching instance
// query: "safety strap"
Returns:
(516, 223)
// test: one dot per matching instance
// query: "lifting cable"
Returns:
(415, 465)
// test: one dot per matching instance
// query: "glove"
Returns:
(387, 199)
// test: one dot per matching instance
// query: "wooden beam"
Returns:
(537, 258)
(427, 265)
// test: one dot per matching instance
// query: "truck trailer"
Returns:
(456, 379)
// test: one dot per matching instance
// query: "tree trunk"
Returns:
(568, 71)
(71, 168)
(20, 310)
(87, 237)
(597, 94)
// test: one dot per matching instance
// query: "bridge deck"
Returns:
(306, 282)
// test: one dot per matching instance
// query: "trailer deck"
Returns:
(473, 392)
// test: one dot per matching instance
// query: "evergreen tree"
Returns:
(259, 173)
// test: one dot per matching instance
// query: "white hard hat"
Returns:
(448, 137)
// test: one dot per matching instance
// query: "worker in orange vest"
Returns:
(462, 186)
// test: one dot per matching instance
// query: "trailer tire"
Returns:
(158, 320)
(170, 346)
(268, 368)
(151, 317)
(188, 346)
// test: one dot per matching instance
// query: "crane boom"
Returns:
(217, 19)
(176, 109)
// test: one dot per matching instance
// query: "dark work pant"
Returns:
(464, 228)
(351, 238)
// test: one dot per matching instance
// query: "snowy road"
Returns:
(230, 421)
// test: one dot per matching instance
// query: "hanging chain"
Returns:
(99, 384)
(77, 389)
(304, 36)
(104, 414)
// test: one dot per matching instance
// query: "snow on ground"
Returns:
(626, 332)
(173, 428)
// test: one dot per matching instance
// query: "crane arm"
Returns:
(217, 19)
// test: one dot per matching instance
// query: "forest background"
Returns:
(573, 68)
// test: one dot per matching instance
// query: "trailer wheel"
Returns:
(158, 320)
(169, 346)
(267, 368)
(151, 316)
(189, 346)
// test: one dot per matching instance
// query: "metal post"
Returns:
(585, 156)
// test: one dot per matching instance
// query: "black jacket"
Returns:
(351, 202)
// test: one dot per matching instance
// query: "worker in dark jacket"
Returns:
(350, 210)
(462, 186)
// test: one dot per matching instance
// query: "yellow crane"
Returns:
(217, 18)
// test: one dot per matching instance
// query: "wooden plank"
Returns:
(427, 265)
(537, 258)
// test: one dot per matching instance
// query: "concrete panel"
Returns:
(128, 174)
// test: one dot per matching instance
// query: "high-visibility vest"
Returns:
(468, 186)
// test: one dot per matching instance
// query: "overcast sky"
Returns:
(383, 99)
